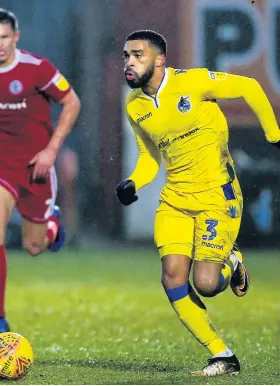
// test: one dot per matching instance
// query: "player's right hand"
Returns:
(126, 192)
(41, 163)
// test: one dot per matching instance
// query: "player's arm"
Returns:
(146, 169)
(70, 110)
(51, 83)
(227, 86)
(54, 85)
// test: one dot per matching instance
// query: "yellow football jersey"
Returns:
(184, 125)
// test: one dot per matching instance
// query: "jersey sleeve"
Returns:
(149, 158)
(51, 82)
(221, 85)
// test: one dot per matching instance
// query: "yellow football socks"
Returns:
(193, 314)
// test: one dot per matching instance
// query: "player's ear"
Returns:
(160, 61)
(17, 36)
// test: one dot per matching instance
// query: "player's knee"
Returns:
(32, 249)
(172, 279)
(206, 286)
(175, 271)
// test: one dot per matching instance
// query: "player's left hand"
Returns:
(42, 163)
(126, 192)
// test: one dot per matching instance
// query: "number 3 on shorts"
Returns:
(211, 229)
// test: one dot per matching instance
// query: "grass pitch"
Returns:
(101, 317)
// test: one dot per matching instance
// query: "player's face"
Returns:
(8, 41)
(139, 62)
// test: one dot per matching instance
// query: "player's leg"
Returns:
(214, 266)
(41, 225)
(34, 237)
(207, 281)
(7, 204)
(216, 232)
(240, 280)
(37, 237)
(174, 235)
(210, 281)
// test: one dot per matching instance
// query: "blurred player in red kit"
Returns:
(29, 146)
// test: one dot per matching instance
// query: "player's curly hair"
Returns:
(154, 38)
(7, 17)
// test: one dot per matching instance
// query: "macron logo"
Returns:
(14, 106)
(144, 117)
(210, 245)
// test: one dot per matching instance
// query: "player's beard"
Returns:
(3, 62)
(141, 81)
(3, 59)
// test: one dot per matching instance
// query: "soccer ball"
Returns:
(16, 355)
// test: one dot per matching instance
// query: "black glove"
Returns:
(276, 144)
(126, 192)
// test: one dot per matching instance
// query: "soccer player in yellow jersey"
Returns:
(175, 117)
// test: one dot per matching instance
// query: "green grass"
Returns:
(101, 317)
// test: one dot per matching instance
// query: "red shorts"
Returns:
(34, 201)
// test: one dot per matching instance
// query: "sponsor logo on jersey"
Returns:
(14, 106)
(179, 71)
(184, 104)
(60, 82)
(163, 144)
(15, 87)
(166, 143)
(141, 119)
(211, 245)
(217, 75)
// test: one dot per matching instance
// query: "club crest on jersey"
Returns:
(15, 87)
(184, 104)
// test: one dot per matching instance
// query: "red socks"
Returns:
(53, 225)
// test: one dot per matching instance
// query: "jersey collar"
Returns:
(159, 90)
(12, 65)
